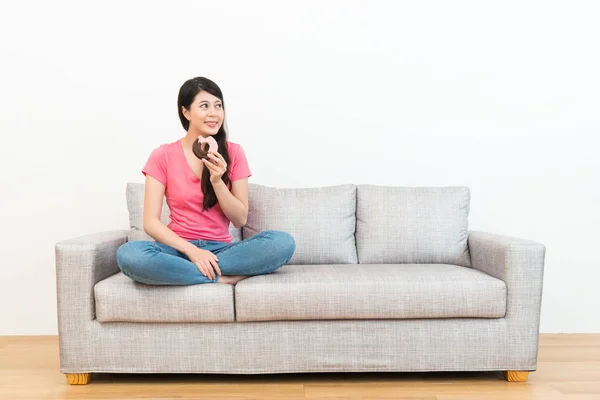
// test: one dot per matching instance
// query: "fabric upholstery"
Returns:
(119, 298)
(424, 296)
(520, 264)
(320, 292)
(321, 220)
(412, 225)
(81, 262)
(411, 345)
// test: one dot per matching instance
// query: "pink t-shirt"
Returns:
(183, 191)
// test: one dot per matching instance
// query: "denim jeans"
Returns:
(155, 263)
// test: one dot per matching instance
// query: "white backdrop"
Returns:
(502, 97)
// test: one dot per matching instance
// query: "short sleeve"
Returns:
(156, 166)
(240, 168)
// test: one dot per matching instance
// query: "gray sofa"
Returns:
(383, 279)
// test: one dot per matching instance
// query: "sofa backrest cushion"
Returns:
(412, 225)
(321, 220)
(135, 206)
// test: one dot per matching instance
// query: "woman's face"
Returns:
(205, 114)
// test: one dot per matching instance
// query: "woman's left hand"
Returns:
(216, 165)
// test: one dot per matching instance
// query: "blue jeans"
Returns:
(155, 263)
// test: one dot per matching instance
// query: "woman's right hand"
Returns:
(205, 261)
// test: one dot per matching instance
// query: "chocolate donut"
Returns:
(202, 146)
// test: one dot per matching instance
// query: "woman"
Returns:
(203, 196)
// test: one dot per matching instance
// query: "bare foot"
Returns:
(231, 279)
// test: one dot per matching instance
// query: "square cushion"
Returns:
(321, 220)
(397, 225)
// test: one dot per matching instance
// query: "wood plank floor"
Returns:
(568, 369)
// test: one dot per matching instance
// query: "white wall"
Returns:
(500, 96)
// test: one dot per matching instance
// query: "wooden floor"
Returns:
(568, 369)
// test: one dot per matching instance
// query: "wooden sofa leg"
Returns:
(79, 379)
(516, 376)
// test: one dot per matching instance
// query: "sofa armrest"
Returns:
(81, 262)
(520, 264)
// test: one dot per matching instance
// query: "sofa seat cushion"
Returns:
(370, 291)
(119, 298)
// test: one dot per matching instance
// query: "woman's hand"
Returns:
(216, 165)
(205, 261)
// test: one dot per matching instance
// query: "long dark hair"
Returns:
(187, 93)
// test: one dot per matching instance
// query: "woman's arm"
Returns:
(153, 199)
(234, 204)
